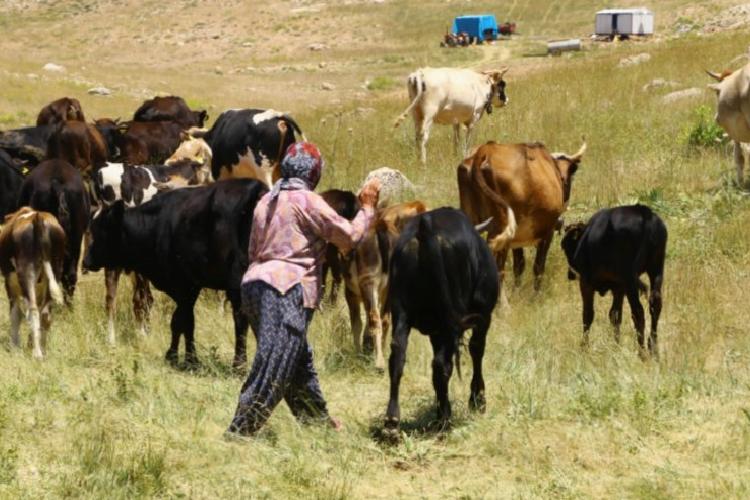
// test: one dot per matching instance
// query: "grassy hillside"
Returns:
(95, 421)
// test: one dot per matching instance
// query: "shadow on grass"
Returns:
(424, 425)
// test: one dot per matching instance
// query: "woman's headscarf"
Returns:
(300, 168)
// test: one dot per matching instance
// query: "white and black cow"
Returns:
(250, 143)
(135, 185)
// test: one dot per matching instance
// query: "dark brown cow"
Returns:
(346, 204)
(79, 144)
(149, 142)
(525, 189)
(61, 110)
(32, 246)
(170, 108)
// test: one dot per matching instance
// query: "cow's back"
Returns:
(452, 93)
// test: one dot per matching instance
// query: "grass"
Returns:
(94, 421)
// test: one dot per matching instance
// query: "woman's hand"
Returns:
(368, 196)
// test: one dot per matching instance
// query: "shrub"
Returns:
(703, 130)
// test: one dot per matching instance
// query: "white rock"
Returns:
(317, 46)
(99, 91)
(54, 68)
(636, 59)
(682, 94)
(657, 83)
(327, 86)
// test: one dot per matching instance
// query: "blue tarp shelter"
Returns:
(477, 26)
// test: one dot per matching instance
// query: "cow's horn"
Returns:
(483, 226)
(503, 70)
(715, 76)
(579, 154)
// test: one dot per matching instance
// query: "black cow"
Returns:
(443, 280)
(250, 143)
(56, 186)
(609, 253)
(11, 179)
(27, 144)
(183, 241)
(170, 108)
(346, 204)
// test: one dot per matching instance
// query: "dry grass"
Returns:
(96, 421)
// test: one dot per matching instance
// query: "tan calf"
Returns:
(366, 277)
(32, 245)
(525, 189)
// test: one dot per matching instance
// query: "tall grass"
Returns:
(95, 421)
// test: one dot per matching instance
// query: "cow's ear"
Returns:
(715, 87)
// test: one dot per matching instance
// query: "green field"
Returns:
(96, 421)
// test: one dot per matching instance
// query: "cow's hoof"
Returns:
(191, 362)
(171, 358)
(478, 403)
(239, 365)
(37, 354)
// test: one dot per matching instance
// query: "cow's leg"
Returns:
(739, 163)
(69, 278)
(587, 298)
(385, 316)
(46, 319)
(15, 317)
(142, 302)
(469, 132)
(456, 136)
(425, 136)
(111, 278)
(639, 319)
(477, 401)
(654, 306)
(519, 264)
(183, 323)
(442, 369)
(399, 342)
(32, 314)
(615, 312)
(352, 302)
(374, 336)
(500, 258)
(241, 322)
(542, 249)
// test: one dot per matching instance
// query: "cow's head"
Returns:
(197, 151)
(497, 97)
(567, 165)
(106, 237)
(569, 244)
(112, 135)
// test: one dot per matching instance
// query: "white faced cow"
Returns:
(451, 96)
(733, 110)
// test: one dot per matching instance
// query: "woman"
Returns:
(281, 288)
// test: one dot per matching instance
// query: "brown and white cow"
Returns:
(733, 111)
(452, 96)
(32, 246)
(525, 189)
(366, 277)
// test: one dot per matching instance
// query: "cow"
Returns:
(609, 253)
(183, 241)
(32, 245)
(111, 133)
(27, 144)
(451, 96)
(149, 142)
(80, 144)
(63, 109)
(135, 185)
(250, 143)
(170, 108)
(526, 190)
(194, 149)
(11, 179)
(732, 112)
(55, 186)
(346, 204)
(442, 282)
(366, 277)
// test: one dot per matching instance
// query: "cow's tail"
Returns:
(44, 249)
(294, 126)
(502, 240)
(417, 83)
(456, 322)
(63, 212)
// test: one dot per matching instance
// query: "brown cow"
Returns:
(366, 276)
(79, 144)
(61, 110)
(150, 142)
(346, 204)
(170, 108)
(525, 189)
(32, 246)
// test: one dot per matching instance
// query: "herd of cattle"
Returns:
(116, 189)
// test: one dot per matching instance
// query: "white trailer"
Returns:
(630, 22)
